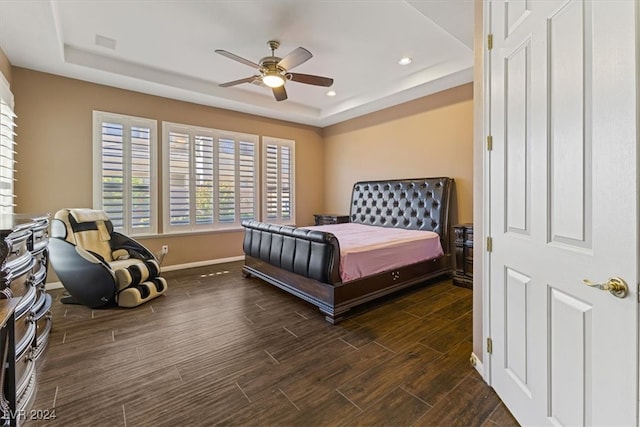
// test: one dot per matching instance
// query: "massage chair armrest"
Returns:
(88, 277)
(76, 258)
(136, 250)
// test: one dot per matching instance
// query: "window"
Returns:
(209, 178)
(7, 147)
(125, 164)
(278, 171)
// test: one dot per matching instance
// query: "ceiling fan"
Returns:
(274, 71)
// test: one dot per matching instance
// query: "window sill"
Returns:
(187, 233)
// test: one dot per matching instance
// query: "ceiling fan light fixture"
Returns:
(273, 80)
(273, 71)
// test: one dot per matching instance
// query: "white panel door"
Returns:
(563, 187)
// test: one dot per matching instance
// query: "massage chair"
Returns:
(99, 266)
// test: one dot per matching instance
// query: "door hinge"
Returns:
(489, 244)
(489, 41)
(489, 143)
(489, 346)
(638, 291)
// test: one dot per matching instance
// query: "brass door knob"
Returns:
(615, 285)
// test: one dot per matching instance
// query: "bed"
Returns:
(307, 261)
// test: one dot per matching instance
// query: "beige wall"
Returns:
(5, 66)
(431, 136)
(55, 152)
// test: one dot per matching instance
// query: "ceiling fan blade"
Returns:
(295, 58)
(237, 58)
(258, 82)
(280, 93)
(310, 79)
(240, 81)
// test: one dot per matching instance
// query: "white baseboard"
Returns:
(58, 285)
(476, 363)
(201, 263)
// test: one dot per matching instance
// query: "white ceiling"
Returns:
(166, 48)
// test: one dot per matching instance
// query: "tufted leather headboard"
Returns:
(414, 204)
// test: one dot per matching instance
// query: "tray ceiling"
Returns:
(166, 48)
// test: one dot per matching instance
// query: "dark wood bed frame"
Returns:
(306, 262)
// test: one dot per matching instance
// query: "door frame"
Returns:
(484, 255)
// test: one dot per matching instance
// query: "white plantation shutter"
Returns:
(112, 138)
(278, 168)
(179, 178)
(204, 182)
(124, 162)
(7, 149)
(212, 180)
(248, 178)
(141, 179)
(286, 181)
(271, 181)
(226, 180)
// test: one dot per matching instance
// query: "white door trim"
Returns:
(486, 193)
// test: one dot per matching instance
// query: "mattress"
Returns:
(366, 250)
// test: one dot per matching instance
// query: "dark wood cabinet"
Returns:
(23, 273)
(463, 268)
(326, 219)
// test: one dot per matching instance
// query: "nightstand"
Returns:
(463, 271)
(326, 219)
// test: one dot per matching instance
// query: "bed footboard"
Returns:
(311, 254)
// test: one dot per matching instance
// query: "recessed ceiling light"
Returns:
(331, 93)
(405, 61)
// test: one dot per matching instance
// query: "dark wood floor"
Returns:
(222, 350)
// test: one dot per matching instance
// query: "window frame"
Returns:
(280, 142)
(217, 135)
(127, 121)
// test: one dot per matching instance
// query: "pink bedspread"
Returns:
(367, 250)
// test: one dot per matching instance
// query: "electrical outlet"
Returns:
(165, 249)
